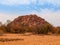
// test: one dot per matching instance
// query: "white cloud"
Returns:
(14, 2)
(50, 16)
(4, 17)
(17, 2)
(54, 2)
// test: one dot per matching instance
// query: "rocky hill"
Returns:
(29, 23)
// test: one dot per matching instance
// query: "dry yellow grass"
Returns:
(31, 40)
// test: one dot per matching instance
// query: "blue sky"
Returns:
(47, 9)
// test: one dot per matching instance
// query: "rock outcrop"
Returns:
(27, 23)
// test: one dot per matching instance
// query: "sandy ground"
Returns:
(31, 39)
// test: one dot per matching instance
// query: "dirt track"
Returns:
(30, 40)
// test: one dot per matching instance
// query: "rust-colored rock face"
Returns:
(26, 22)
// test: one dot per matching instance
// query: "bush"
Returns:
(57, 30)
(3, 29)
(40, 29)
(16, 29)
(43, 29)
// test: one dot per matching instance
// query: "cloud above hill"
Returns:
(51, 16)
(18, 2)
(14, 2)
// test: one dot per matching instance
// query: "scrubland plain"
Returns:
(27, 39)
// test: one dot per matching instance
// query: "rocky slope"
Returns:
(27, 23)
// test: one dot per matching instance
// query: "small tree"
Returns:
(43, 29)
(57, 30)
